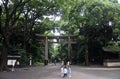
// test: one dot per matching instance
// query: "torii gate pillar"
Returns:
(46, 51)
(69, 48)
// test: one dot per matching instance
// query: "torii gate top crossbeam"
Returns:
(56, 37)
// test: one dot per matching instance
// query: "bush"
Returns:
(38, 64)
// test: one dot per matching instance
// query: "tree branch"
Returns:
(21, 3)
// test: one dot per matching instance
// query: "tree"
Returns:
(22, 17)
(91, 19)
(10, 13)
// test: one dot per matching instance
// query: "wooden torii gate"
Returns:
(70, 38)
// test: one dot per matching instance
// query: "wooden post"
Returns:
(30, 62)
(46, 51)
(69, 49)
(86, 53)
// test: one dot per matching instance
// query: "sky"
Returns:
(118, 1)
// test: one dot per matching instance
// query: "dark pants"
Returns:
(64, 75)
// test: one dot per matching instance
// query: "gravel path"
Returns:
(53, 72)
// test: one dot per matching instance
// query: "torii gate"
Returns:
(70, 38)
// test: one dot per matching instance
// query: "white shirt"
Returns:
(65, 70)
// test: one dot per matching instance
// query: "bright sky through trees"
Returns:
(118, 1)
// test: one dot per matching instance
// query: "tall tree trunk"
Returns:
(5, 43)
(86, 53)
(1, 34)
(4, 56)
(24, 38)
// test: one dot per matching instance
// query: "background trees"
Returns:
(94, 22)
(18, 21)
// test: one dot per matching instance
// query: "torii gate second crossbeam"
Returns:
(70, 39)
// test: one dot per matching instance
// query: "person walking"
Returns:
(65, 71)
(69, 71)
(55, 62)
(62, 73)
(62, 63)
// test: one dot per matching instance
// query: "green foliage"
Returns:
(116, 30)
(21, 20)
(114, 45)
(90, 20)
(114, 1)
(63, 50)
(38, 64)
(24, 60)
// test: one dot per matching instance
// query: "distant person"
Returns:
(55, 62)
(68, 63)
(62, 63)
